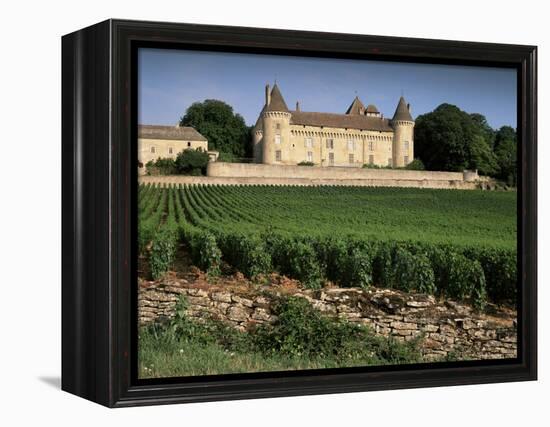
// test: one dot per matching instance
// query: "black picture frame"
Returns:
(99, 180)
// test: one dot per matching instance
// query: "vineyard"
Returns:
(461, 244)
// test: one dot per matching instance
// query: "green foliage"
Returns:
(301, 338)
(163, 251)
(248, 254)
(191, 162)
(501, 273)
(303, 264)
(375, 166)
(224, 130)
(412, 272)
(228, 158)
(161, 166)
(481, 156)
(453, 140)
(460, 277)
(301, 330)
(415, 165)
(432, 241)
(348, 264)
(306, 163)
(165, 241)
(506, 154)
(205, 251)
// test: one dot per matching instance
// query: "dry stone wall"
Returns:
(446, 328)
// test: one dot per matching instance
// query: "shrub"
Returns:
(462, 278)
(383, 264)
(501, 273)
(416, 165)
(163, 250)
(412, 272)
(303, 264)
(205, 251)
(348, 264)
(227, 157)
(303, 331)
(161, 166)
(191, 162)
(248, 254)
(306, 163)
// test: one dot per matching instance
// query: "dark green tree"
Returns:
(452, 140)
(482, 157)
(487, 131)
(225, 130)
(506, 154)
(191, 162)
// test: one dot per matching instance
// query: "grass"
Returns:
(303, 338)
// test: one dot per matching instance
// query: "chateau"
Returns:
(361, 135)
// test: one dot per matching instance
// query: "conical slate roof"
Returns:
(402, 111)
(277, 103)
(356, 107)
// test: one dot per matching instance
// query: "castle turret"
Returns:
(276, 127)
(403, 135)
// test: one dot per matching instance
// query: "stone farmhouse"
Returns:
(167, 141)
(360, 136)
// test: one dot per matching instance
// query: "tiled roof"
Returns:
(186, 133)
(276, 103)
(356, 107)
(350, 121)
(402, 111)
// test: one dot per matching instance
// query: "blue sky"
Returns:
(171, 80)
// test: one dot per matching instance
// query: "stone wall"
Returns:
(221, 169)
(181, 179)
(447, 328)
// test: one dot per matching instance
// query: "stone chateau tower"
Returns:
(403, 135)
(276, 126)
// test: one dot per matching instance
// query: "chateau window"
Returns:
(330, 143)
(153, 149)
(310, 156)
(371, 146)
(309, 142)
(278, 126)
(406, 160)
(277, 139)
(189, 143)
(371, 160)
(170, 150)
(389, 161)
(350, 158)
(331, 159)
(351, 145)
(278, 155)
(406, 145)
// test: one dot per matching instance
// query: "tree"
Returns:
(487, 131)
(506, 154)
(191, 162)
(225, 130)
(452, 140)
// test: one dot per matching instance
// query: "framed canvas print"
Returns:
(258, 213)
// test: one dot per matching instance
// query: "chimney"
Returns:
(409, 107)
(267, 95)
(297, 106)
